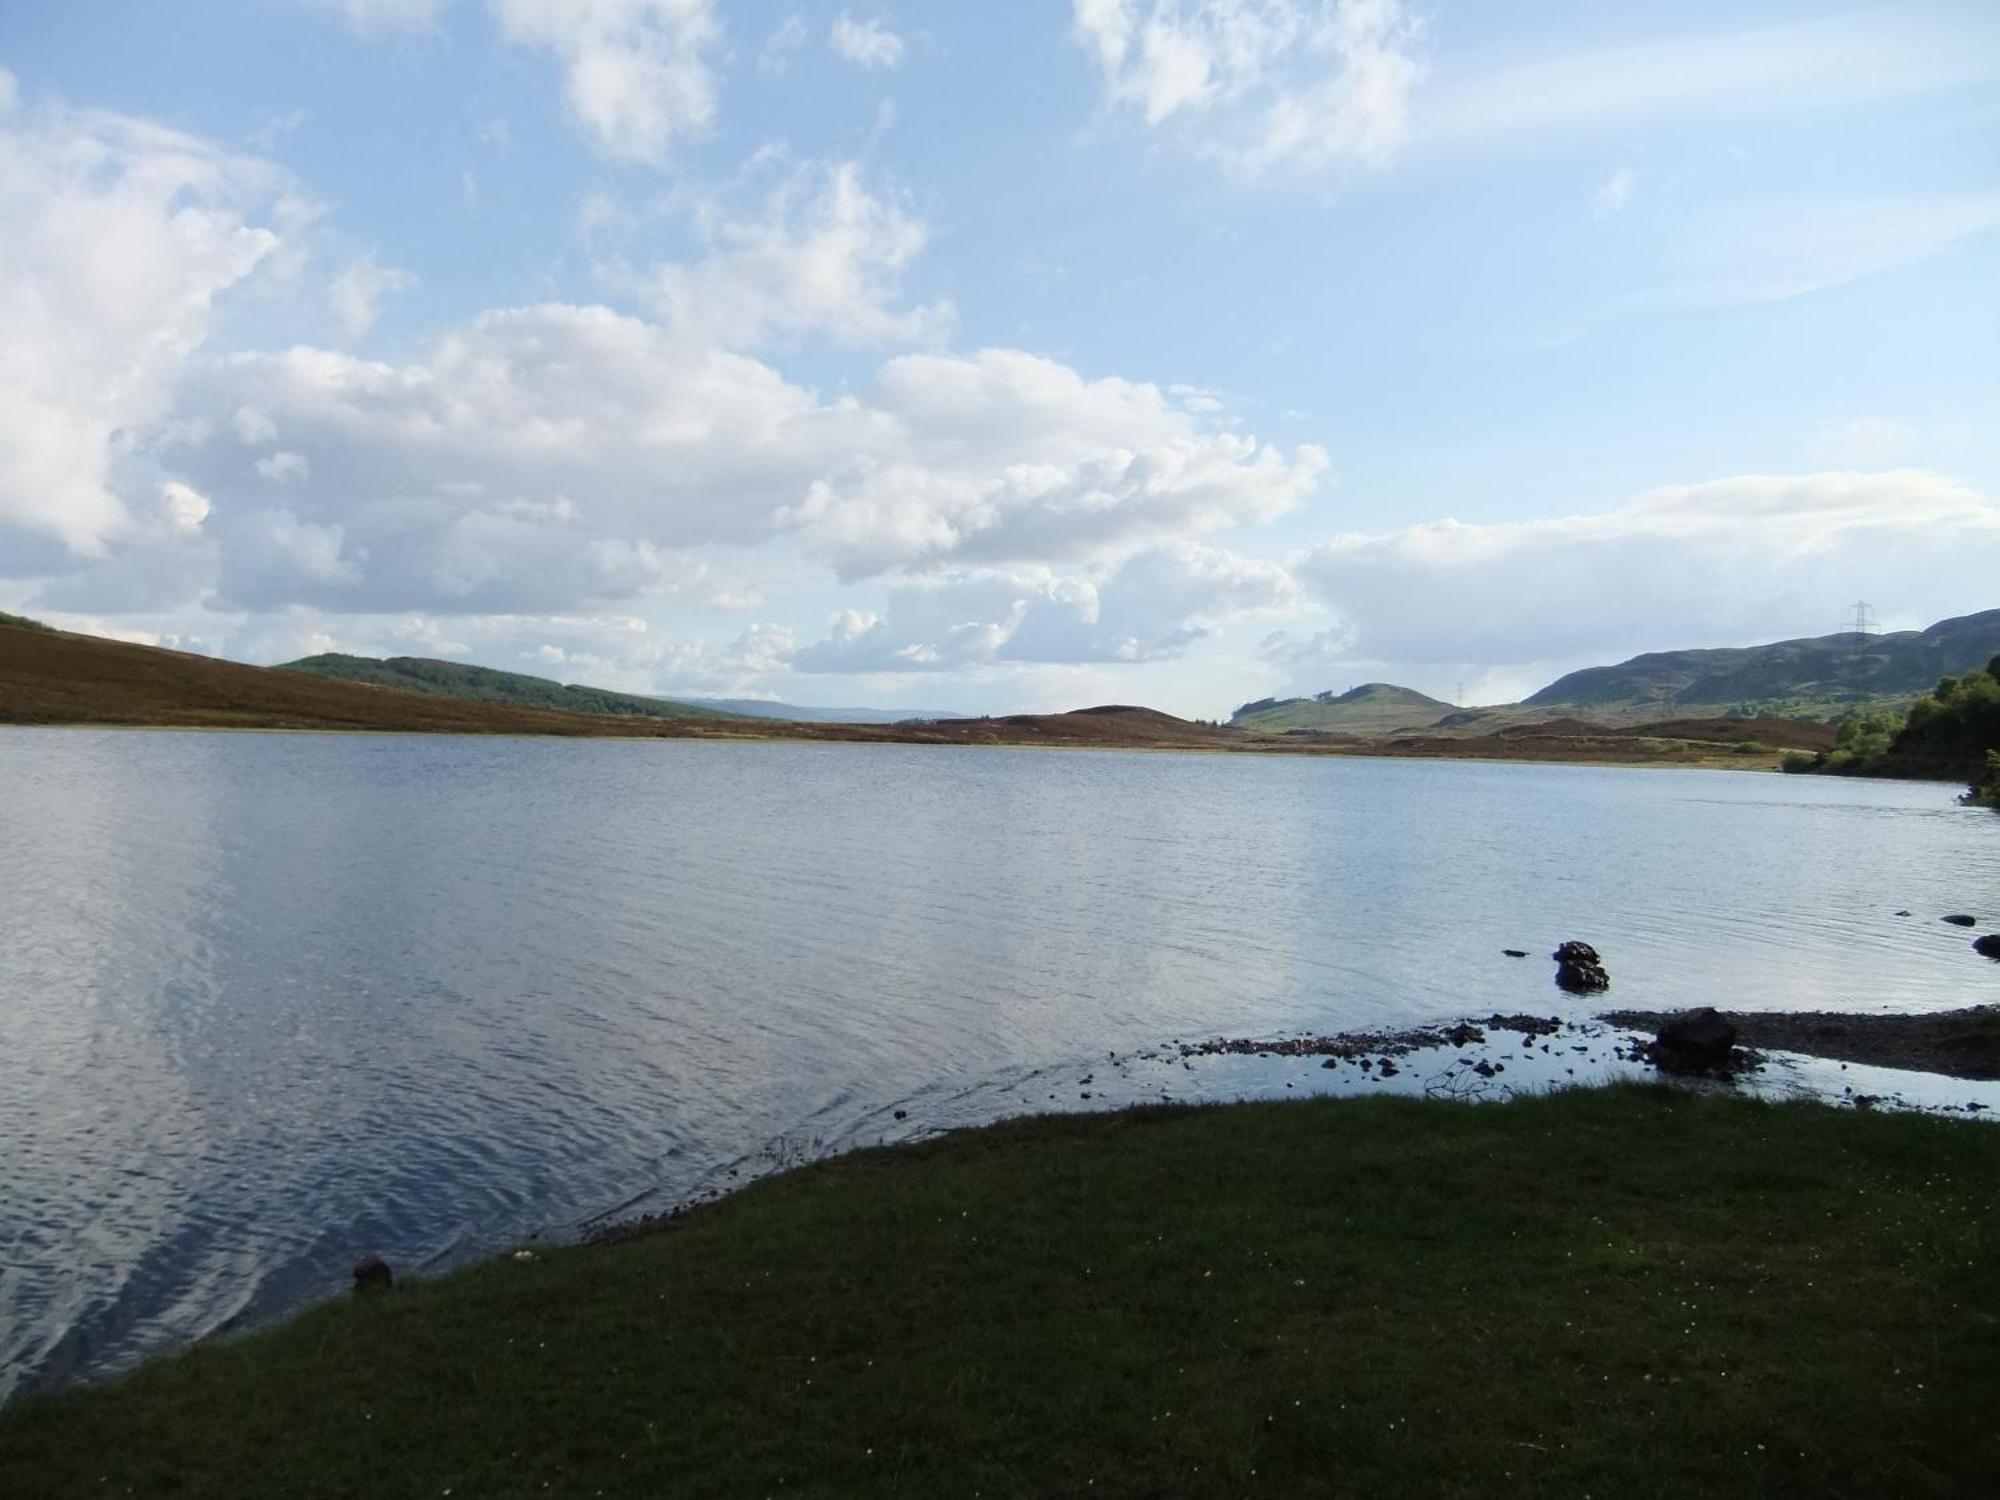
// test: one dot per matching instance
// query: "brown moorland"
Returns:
(54, 677)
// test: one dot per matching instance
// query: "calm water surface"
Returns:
(271, 1001)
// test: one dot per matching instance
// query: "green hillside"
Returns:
(450, 679)
(1372, 708)
(1829, 672)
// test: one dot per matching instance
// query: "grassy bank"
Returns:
(1628, 1292)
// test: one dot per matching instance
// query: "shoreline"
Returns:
(1193, 1300)
(869, 735)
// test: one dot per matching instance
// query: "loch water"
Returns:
(272, 1001)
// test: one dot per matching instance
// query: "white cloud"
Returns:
(825, 257)
(1151, 607)
(636, 73)
(121, 236)
(1008, 457)
(866, 44)
(1863, 54)
(1792, 249)
(784, 42)
(1259, 84)
(355, 294)
(1720, 563)
(285, 468)
(184, 509)
(253, 427)
(372, 17)
(1611, 198)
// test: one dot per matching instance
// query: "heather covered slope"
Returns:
(1372, 708)
(453, 679)
(1820, 669)
(53, 677)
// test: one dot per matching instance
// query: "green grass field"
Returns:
(1624, 1292)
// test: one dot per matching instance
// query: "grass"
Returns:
(1621, 1292)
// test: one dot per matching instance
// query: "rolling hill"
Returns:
(54, 677)
(1816, 677)
(799, 713)
(1827, 669)
(1373, 708)
(451, 679)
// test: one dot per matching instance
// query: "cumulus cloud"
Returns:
(784, 43)
(1723, 562)
(566, 461)
(122, 234)
(356, 291)
(825, 256)
(376, 16)
(866, 44)
(1259, 84)
(637, 74)
(1151, 607)
(1611, 198)
(558, 449)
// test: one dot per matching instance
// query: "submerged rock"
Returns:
(1960, 919)
(1699, 1041)
(372, 1274)
(1515, 952)
(1579, 969)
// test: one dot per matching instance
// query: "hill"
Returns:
(452, 679)
(800, 713)
(54, 677)
(1372, 708)
(1825, 672)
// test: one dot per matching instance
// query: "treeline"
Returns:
(1953, 732)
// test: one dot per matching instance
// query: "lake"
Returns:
(272, 1001)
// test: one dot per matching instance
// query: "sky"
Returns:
(996, 358)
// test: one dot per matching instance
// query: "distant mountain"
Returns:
(451, 679)
(1819, 670)
(798, 713)
(1372, 708)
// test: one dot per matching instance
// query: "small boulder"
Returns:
(1960, 919)
(1696, 1041)
(372, 1274)
(1988, 946)
(1515, 952)
(1579, 969)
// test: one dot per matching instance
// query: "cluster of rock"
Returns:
(1696, 1041)
(1579, 969)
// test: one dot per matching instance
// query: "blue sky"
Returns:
(998, 357)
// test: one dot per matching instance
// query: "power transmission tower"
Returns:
(1861, 625)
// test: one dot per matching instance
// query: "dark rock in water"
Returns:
(1483, 1068)
(1988, 946)
(372, 1274)
(1960, 919)
(902, 1114)
(1515, 952)
(1902, 913)
(1698, 1041)
(1579, 969)
(1387, 1069)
